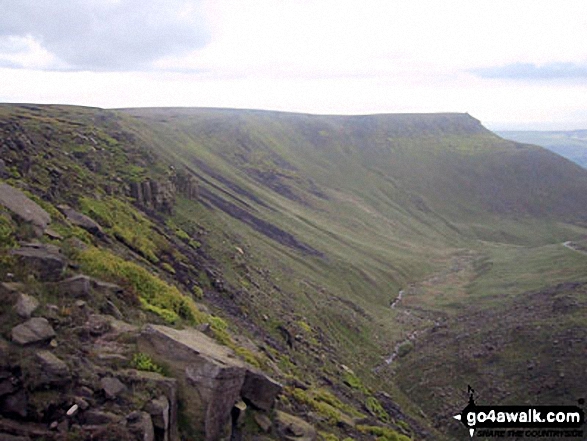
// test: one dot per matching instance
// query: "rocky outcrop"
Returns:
(34, 330)
(81, 220)
(154, 195)
(210, 375)
(44, 261)
(186, 185)
(27, 210)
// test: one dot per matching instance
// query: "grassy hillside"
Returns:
(569, 144)
(306, 228)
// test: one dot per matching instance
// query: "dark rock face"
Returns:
(155, 195)
(81, 220)
(44, 261)
(34, 330)
(29, 211)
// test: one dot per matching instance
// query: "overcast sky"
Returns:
(513, 64)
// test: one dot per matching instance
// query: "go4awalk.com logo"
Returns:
(522, 421)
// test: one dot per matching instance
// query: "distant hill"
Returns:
(569, 144)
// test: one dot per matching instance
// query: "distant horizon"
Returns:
(513, 65)
(498, 127)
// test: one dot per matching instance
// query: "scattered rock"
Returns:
(52, 234)
(97, 325)
(77, 286)
(53, 371)
(81, 403)
(14, 405)
(33, 330)
(81, 220)
(29, 211)
(99, 418)
(112, 309)
(3, 171)
(42, 260)
(26, 305)
(263, 421)
(292, 428)
(112, 387)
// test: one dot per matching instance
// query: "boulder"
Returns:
(259, 390)
(52, 370)
(29, 211)
(34, 330)
(209, 375)
(42, 260)
(77, 286)
(26, 305)
(112, 387)
(81, 220)
(292, 428)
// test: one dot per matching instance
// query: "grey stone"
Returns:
(53, 371)
(26, 305)
(263, 422)
(98, 418)
(3, 171)
(81, 220)
(210, 376)
(77, 286)
(159, 411)
(43, 261)
(260, 390)
(29, 211)
(140, 425)
(292, 428)
(34, 330)
(112, 387)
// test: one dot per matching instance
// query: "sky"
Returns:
(512, 64)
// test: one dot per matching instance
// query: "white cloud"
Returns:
(326, 56)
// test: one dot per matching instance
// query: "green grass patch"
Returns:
(383, 433)
(143, 362)
(127, 224)
(155, 294)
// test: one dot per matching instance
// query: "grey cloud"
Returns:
(528, 71)
(107, 34)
